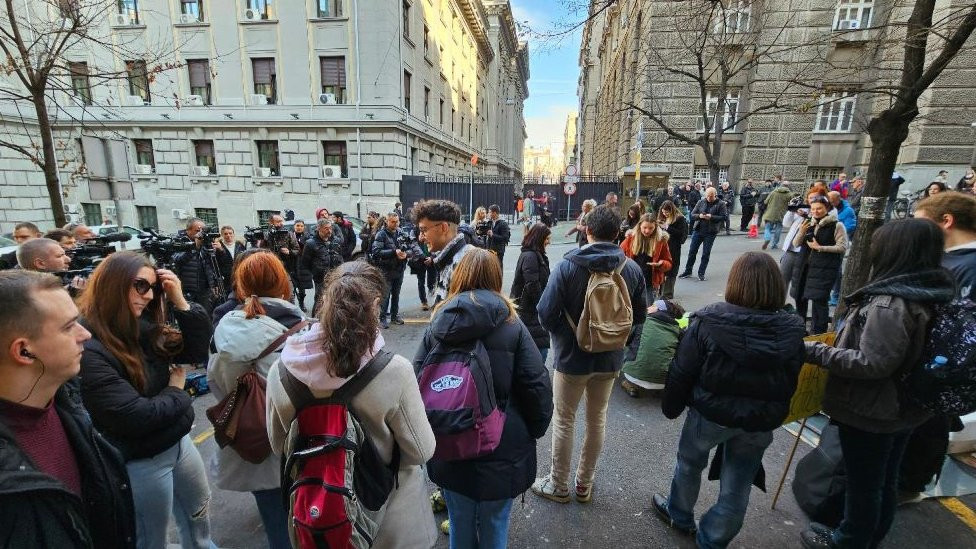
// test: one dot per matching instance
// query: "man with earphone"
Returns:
(61, 484)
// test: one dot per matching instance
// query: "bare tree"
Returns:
(38, 39)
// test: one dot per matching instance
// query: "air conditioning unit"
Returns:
(121, 20)
(201, 170)
(188, 18)
(71, 208)
(194, 100)
(331, 172)
(259, 99)
(328, 99)
(252, 15)
(262, 172)
(110, 211)
(144, 169)
(180, 214)
(135, 100)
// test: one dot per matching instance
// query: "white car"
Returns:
(7, 245)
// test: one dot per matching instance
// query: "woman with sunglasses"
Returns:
(822, 241)
(132, 378)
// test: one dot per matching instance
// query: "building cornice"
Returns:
(477, 18)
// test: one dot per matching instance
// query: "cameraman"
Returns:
(43, 255)
(197, 268)
(323, 252)
(62, 237)
(392, 248)
(498, 234)
(282, 242)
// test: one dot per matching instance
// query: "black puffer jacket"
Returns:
(677, 234)
(37, 511)
(303, 275)
(197, 274)
(321, 256)
(143, 424)
(522, 388)
(531, 275)
(738, 367)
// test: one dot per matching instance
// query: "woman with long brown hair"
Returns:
(333, 352)
(241, 340)
(531, 276)
(132, 378)
(479, 492)
(648, 246)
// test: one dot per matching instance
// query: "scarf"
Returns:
(446, 255)
(931, 286)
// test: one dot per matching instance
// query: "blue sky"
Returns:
(554, 72)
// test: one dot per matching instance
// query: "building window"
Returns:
(147, 217)
(333, 72)
(442, 114)
(199, 70)
(406, 90)
(144, 152)
(138, 79)
(80, 84)
(131, 9)
(193, 8)
(203, 153)
(265, 81)
(93, 213)
(836, 112)
(426, 103)
(329, 8)
(335, 155)
(462, 125)
(264, 216)
(853, 14)
(453, 113)
(426, 40)
(264, 7)
(207, 215)
(701, 173)
(826, 174)
(734, 17)
(406, 19)
(268, 156)
(731, 111)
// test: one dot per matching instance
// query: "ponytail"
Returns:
(253, 307)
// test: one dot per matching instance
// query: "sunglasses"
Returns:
(142, 286)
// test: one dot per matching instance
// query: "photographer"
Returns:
(323, 252)
(197, 268)
(43, 255)
(498, 234)
(283, 243)
(392, 248)
(62, 237)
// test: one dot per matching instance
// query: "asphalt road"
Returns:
(637, 461)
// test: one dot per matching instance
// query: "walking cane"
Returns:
(789, 461)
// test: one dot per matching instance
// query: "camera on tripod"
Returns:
(162, 247)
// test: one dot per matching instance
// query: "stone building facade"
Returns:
(831, 55)
(268, 105)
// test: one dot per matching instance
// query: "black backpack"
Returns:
(820, 481)
(944, 381)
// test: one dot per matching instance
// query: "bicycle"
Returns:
(905, 204)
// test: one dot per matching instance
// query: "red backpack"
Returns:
(333, 471)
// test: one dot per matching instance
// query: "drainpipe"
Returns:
(359, 97)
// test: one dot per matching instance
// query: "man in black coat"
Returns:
(747, 199)
(61, 483)
(708, 217)
(22, 233)
(727, 194)
(499, 234)
(197, 269)
(348, 234)
(323, 252)
(392, 248)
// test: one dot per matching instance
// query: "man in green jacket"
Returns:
(776, 204)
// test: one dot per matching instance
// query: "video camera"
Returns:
(482, 228)
(254, 235)
(93, 251)
(162, 247)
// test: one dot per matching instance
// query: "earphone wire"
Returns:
(36, 381)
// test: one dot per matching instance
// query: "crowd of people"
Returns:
(95, 421)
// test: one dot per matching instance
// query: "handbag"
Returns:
(240, 418)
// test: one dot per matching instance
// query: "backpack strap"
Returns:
(301, 396)
(281, 339)
(617, 270)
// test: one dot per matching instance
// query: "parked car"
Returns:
(7, 245)
(105, 230)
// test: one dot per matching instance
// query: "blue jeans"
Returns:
(741, 461)
(872, 462)
(697, 240)
(772, 232)
(271, 507)
(173, 481)
(477, 524)
(391, 299)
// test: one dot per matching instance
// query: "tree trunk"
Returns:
(50, 162)
(887, 132)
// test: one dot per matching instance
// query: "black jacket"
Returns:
(8, 261)
(197, 274)
(37, 511)
(814, 277)
(531, 276)
(320, 257)
(688, 197)
(748, 196)
(713, 225)
(677, 234)
(348, 238)
(522, 388)
(385, 246)
(143, 424)
(282, 238)
(565, 293)
(738, 367)
(302, 275)
(225, 261)
(500, 235)
(962, 263)
(727, 196)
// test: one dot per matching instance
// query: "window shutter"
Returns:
(263, 70)
(199, 73)
(78, 69)
(204, 148)
(333, 71)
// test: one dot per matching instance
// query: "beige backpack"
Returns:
(607, 316)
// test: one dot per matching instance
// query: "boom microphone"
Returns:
(115, 237)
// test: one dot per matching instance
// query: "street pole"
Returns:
(637, 162)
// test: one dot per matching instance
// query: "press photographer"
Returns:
(197, 267)
(392, 248)
(282, 242)
(47, 256)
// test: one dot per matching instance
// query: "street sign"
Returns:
(569, 188)
(571, 170)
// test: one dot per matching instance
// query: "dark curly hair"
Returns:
(437, 210)
(348, 314)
